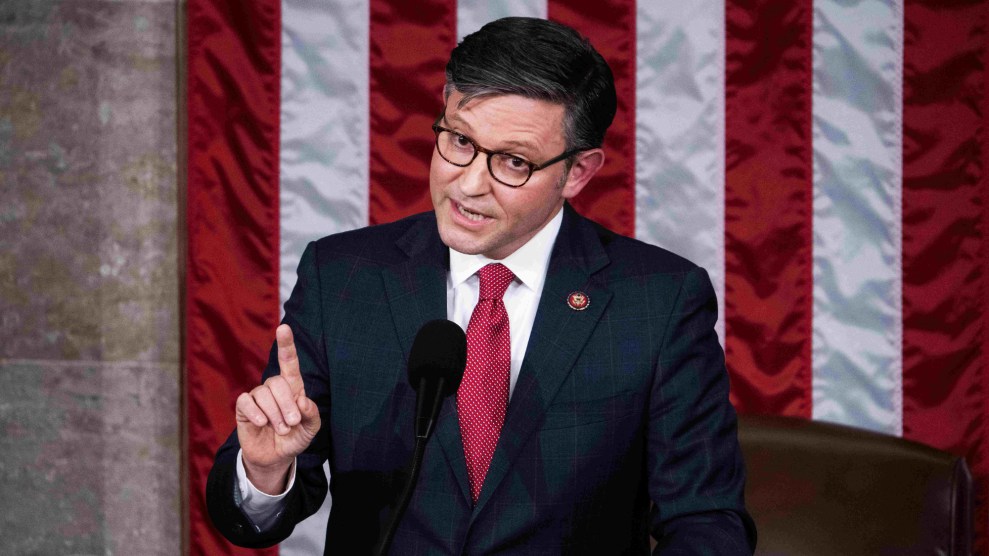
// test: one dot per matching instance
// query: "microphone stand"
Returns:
(415, 465)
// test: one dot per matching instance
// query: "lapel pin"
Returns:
(578, 301)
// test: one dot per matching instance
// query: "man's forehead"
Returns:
(511, 112)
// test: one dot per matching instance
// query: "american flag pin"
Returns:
(578, 301)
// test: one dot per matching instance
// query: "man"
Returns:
(595, 383)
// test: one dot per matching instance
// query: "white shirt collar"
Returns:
(528, 263)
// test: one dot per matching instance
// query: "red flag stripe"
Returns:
(945, 280)
(768, 205)
(231, 301)
(610, 26)
(410, 43)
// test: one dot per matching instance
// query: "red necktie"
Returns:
(483, 395)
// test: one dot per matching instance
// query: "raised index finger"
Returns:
(288, 359)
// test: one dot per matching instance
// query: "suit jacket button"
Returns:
(238, 528)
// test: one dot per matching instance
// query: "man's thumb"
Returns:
(310, 415)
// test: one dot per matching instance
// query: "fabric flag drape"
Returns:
(825, 160)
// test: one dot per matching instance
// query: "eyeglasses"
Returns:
(506, 168)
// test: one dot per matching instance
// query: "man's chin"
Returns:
(467, 248)
(460, 241)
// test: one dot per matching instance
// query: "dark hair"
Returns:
(538, 59)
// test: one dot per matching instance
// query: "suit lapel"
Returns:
(416, 288)
(416, 292)
(559, 333)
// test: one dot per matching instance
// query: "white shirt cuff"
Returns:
(263, 509)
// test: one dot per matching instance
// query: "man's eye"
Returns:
(515, 166)
(460, 140)
(516, 163)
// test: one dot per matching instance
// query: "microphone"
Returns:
(436, 367)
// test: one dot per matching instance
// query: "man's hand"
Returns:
(276, 421)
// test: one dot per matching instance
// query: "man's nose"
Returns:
(475, 179)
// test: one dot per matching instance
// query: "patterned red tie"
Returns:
(483, 395)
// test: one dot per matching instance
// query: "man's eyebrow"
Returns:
(526, 145)
(459, 120)
(506, 144)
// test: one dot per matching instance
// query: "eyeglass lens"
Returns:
(457, 149)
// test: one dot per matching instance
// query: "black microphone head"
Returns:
(438, 351)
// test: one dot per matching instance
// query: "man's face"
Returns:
(478, 215)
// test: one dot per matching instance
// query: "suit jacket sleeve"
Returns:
(696, 472)
(303, 314)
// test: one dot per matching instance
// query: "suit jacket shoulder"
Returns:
(382, 243)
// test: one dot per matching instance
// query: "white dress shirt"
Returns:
(528, 263)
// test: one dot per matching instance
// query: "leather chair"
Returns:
(820, 488)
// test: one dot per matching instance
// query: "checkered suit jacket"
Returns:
(616, 406)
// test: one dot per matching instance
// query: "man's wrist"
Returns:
(270, 480)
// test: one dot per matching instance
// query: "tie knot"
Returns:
(495, 278)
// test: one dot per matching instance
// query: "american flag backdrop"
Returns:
(825, 160)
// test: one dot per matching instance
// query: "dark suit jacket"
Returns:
(620, 404)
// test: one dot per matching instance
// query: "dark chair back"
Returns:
(820, 488)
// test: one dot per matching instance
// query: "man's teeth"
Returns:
(470, 215)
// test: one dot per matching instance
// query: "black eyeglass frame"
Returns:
(437, 129)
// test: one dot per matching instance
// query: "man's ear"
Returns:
(585, 165)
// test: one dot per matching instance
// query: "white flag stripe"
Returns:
(323, 154)
(857, 128)
(680, 132)
(323, 151)
(472, 14)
